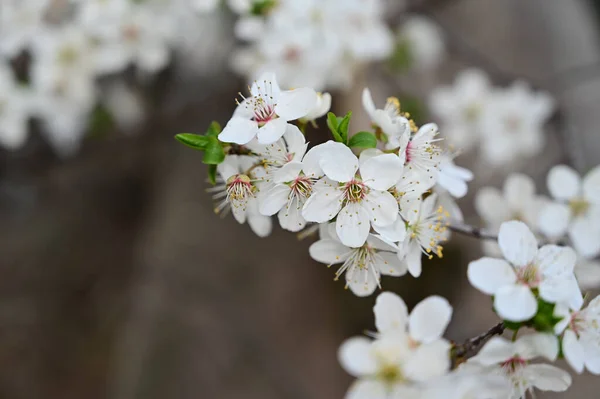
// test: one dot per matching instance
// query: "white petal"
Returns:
(555, 261)
(296, 143)
(294, 104)
(312, 158)
(488, 275)
(515, 303)
(271, 131)
(517, 242)
(274, 199)
(429, 319)
(352, 225)
(563, 182)
(381, 172)
(561, 289)
(239, 131)
(537, 345)
(329, 251)
(413, 259)
(391, 313)
(428, 361)
(367, 389)
(591, 185)
(287, 172)
(362, 282)
(547, 378)
(496, 350)
(389, 264)
(290, 216)
(324, 204)
(553, 219)
(573, 351)
(266, 84)
(394, 232)
(260, 225)
(518, 188)
(381, 207)
(592, 355)
(338, 162)
(356, 357)
(585, 235)
(367, 101)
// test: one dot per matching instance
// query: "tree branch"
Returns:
(468, 348)
(472, 231)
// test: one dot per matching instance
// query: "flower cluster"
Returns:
(54, 53)
(377, 213)
(506, 123)
(570, 215)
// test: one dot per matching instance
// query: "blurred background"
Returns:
(118, 281)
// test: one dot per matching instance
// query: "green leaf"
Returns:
(544, 320)
(212, 174)
(214, 129)
(214, 153)
(511, 325)
(262, 7)
(343, 126)
(332, 124)
(363, 140)
(194, 141)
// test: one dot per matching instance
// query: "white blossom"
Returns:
(548, 270)
(388, 119)
(14, 110)
(424, 41)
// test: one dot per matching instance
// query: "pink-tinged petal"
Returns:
(563, 182)
(294, 104)
(271, 131)
(429, 319)
(517, 242)
(547, 378)
(591, 186)
(356, 357)
(338, 162)
(352, 225)
(515, 303)
(382, 207)
(381, 172)
(391, 313)
(488, 275)
(287, 172)
(274, 199)
(329, 251)
(239, 131)
(324, 204)
(573, 351)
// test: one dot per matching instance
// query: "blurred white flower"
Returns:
(20, 22)
(512, 123)
(460, 107)
(587, 273)
(548, 271)
(424, 41)
(512, 359)
(321, 107)
(576, 209)
(14, 110)
(389, 120)
(265, 114)
(453, 178)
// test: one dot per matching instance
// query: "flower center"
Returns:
(579, 206)
(302, 186)
(390, 374)
(239, 189)
(529, 275)
(513, 123)
(131, 33)
(514, 364)
(67, 56)
(355, 190)
(471, 112)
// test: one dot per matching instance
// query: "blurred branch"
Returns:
(472, 231)
(468, 348)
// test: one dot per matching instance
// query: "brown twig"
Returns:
(472, 231)
(460, 352)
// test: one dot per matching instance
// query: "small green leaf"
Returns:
(212, 174)
(343, 126)
(214, 129)
(262, 7)
(363, 140)
(511, 325)
(214, 153)
(194, 141)
(332, 124)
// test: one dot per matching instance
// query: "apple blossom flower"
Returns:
(389, 119)
(20, 22)
(236, 191)
(512, 359)
(581, 336)
(14, 110)
(398, 361)
(576, 209)
(453, 178)
(588, 273)
(421, 154)
(354, 190)
(548, 271)
(321, 107)
(265, 114)
(363, 266)
(460, 107)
